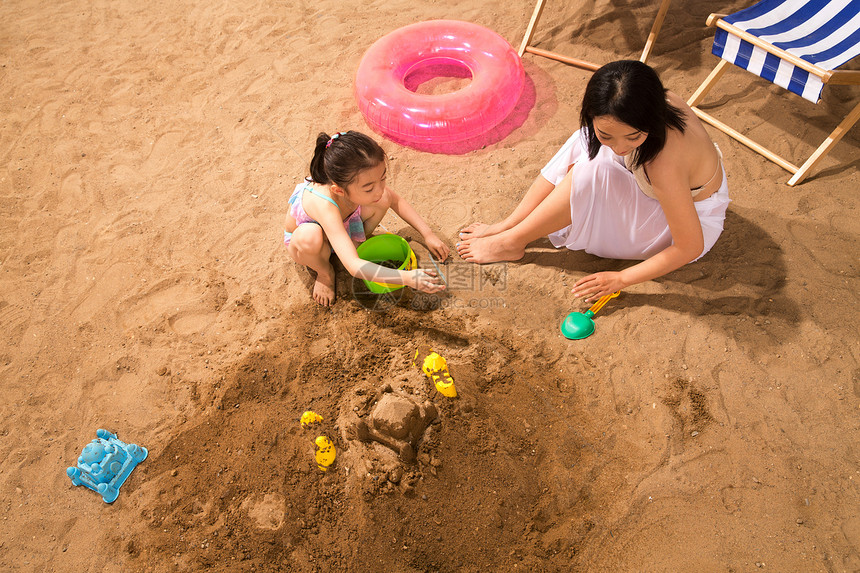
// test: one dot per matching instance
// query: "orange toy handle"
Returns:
(602, 301)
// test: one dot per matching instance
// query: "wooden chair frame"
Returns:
(525, 47)
(835, 77)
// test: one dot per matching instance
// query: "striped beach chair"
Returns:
(796, 44)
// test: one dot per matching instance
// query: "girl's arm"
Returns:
(673, 192)
(406, 212)
(328, 216)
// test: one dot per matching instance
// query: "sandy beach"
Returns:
(711, 422)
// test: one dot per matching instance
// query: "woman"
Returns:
(640, 180)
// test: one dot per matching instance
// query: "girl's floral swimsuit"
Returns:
(353, 224)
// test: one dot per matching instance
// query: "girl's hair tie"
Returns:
(333, 137)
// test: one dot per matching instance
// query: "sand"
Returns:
(709, 424)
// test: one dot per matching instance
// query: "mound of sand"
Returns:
(710, 423)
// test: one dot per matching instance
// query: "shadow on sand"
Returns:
(743, 275)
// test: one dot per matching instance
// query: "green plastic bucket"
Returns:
(387, 247)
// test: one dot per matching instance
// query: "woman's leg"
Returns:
(308, 246)
(573, 150)
(547, 216)
(537, 192)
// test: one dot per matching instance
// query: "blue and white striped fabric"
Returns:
(823, 32)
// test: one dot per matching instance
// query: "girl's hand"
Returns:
(437, 248)
(425, 280)
(594, 286)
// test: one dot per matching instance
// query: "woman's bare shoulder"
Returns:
(673, 165)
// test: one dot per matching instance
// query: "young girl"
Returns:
(640, 180)
(339, 205)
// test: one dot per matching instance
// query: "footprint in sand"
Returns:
(14, 320)
(104, 289)
(189, 305)
(266, 512)
(457, 213)
(689, 406)
(851, 530)
(72, 194)
(192, 322)
(835, 252)
(161, 160)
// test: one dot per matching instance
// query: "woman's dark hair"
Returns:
(632, 93)
(339, 158)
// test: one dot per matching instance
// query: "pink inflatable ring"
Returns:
(392, 109)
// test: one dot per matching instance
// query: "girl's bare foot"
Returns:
(489, 249)
(324, 292)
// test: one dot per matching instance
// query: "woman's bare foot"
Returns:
(473, 231)
(490, 249)
(324, 292)
(476, 230)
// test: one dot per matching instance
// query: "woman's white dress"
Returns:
(610, 215)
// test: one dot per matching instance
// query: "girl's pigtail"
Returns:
(318, 174)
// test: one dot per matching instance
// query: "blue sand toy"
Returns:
(105, 464)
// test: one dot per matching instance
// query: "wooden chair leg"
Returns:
(740, 137)
(700, 94)
(709, 82)
(582, 64)
(828, 144)
(799, 173)
(655, 30)
(531, 28)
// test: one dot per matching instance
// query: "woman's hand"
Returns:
(437, 248)
(424, 280)
(597, 285)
